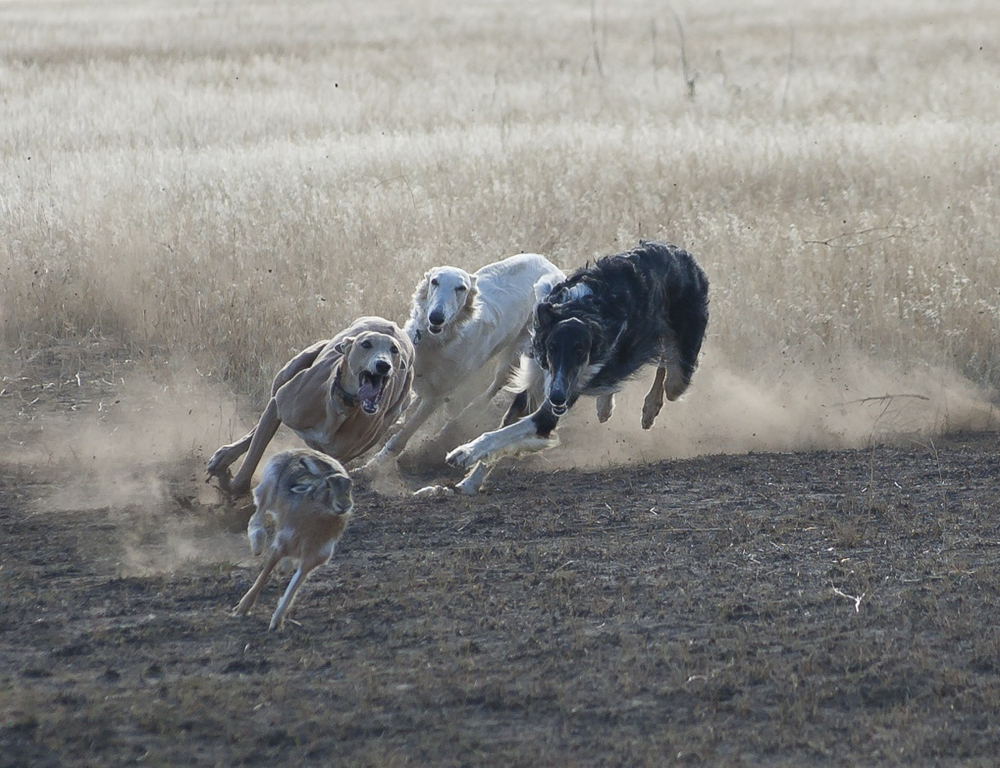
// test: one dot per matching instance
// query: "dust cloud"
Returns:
(847, 403)
(137, 456)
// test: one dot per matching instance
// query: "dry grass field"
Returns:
(797, 565)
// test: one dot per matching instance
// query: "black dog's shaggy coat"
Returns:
(634, 306)
(594, 331)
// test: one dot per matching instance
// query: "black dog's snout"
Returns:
(436, 317)
(382, 367)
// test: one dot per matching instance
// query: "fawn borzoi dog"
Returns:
(340, 396)
(460, 323)
(591, 333)
(309, 496)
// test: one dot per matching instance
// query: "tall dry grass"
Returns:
(229, 181)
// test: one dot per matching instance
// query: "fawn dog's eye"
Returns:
(394, 349)
(460, 289)
(366, 345)
(434, 282)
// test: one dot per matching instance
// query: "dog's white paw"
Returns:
(466, 488)
(435, 490)
(464, 456)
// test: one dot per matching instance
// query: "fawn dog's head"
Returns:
(372, 359)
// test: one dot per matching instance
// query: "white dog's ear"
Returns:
(420, 292)
(343, 347)
(470, 297)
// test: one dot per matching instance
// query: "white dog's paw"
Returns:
(435, 490)
(465, 456)
(468, 487)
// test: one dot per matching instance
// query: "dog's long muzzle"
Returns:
(558, 399)
(371, 385)
(435, 321)
(558, 404)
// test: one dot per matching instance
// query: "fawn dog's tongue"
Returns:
(370, 392)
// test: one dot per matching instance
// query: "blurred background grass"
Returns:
(229, 181)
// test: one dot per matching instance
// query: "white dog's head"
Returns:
(446, 296)
(372, 359)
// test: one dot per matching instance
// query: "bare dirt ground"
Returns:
(782, 609)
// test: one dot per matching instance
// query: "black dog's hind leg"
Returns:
(605, 407)
(654, 399)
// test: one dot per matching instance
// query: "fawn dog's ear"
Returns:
(344, 347)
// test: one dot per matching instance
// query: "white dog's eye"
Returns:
(366, 345)
(394, 349)
(461, 288)
(434, 282)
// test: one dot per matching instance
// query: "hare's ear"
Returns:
(315, 466)
(343, 347)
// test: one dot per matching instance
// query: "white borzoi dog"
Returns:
(461, 323)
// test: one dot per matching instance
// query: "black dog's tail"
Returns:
(688, 308)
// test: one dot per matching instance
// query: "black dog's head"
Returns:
(565, 347)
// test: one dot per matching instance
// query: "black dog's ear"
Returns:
(545, 313)
(538, 352)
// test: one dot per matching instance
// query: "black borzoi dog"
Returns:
(593, 332)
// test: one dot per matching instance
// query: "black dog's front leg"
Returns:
(528, 434)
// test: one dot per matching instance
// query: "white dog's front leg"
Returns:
(397, 443)
(377, 464)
